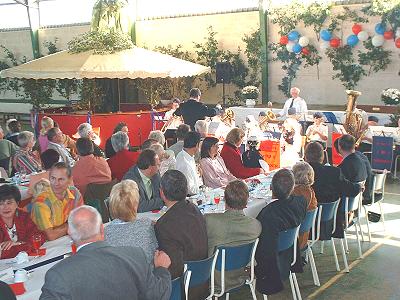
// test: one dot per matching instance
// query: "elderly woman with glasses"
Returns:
(214, 170)
(24, 160)
(125, 229)
(16, 227)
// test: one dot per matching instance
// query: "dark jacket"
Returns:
(273, 267)
(99, 271)
(368, 183)
(97, 151)
(192, 111)
(353, 168)
(146, 204)
(181, 232)
(251, 158)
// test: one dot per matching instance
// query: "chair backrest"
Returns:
(378, 185)
(351, 203)
(287, 238)
(95, 195)
(202, 270)
(179, 286)
(308, 221)
(236, 257)
(329, 210)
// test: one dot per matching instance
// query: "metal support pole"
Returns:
(264, 53)
(32, 8)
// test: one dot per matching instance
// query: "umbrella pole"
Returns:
(119, 97)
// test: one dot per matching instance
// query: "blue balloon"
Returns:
(380, 28)
(297, 48)
(293, 35)
(326, 35)
(352, 40)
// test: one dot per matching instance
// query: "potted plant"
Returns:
(391, 96)
(250, 94)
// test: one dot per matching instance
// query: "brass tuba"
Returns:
(228, 117)
(354, 122)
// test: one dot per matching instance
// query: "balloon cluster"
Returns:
(295, 43)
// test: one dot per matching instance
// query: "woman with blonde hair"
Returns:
(125, 229)
(46, 124)
(232, 157)
(304, 179)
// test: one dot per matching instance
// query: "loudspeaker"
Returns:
(223, 72)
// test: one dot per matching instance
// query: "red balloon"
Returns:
(284, 40)
(305, 51)
(388, 35)
(397, 42)
(356, 29)
(335, 42)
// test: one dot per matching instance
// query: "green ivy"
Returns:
(375, 58)
(389, 10)
(286, 17)
(254, 57)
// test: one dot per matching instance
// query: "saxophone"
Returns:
(353, 123)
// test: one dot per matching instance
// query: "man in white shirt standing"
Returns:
(185, 162)
(295, 101)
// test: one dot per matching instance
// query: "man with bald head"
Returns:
(99, 271)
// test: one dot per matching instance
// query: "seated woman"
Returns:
(24, 159)
(232, 157)
(16, 227)
(214, 171)
(126, 229)
(167, 161)
(46, 124)
(109, 150)
(304, 179)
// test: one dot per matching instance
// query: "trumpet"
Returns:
(228, 117)
(265, 120)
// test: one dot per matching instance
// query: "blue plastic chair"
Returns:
(202, 271)
(307, 225)
(234, 258)
(180, 284)
(287, 239)
(329, 213)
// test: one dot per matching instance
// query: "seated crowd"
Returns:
(131, 248)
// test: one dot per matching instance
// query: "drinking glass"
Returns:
(36, 242)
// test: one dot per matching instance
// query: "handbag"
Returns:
(374, 217)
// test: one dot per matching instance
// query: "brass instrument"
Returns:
(169, 122)
(263, 122)
(228, 117)
(354, 122)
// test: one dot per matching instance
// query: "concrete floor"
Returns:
(375, 276)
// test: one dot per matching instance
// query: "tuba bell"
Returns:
(354, 121)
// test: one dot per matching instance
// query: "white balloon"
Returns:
(362, 36)
(304, 41)
(378, 40)
(324, 45)
(289, 46)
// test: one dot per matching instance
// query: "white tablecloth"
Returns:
(35, 282)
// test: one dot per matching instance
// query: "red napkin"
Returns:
(18, 288)
(41, 252)
(155, 211)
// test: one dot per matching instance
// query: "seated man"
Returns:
(181, 133)
(317, 132)
(89, 168)
(181, 232)
(146, 175)
(366, 141)
(55, 137)
(99, 271)
(284, 213)
(185, 162)
(85, 130)
(352, 165)
(7, 151)
(50, 209)
(232, 228)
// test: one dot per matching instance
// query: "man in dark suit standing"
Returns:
(146, 175)
(181, 232)
(284, 213)
(193, 110)
(99, 271)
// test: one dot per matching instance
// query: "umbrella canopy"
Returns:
(132, 63)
